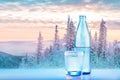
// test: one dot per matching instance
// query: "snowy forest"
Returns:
(104, 54)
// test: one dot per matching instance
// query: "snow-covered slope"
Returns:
(9, 61)
(57, 74)
(21, 47)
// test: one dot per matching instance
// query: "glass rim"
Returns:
(80, 53)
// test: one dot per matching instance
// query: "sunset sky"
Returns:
(21, 20)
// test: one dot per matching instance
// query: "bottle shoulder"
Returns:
(82, 37)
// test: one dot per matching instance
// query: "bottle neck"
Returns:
(81, 23)
(82, 18)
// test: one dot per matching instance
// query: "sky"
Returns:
(21, 20)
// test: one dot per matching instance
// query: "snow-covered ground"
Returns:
(56, 74)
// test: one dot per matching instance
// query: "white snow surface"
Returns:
(56, 74)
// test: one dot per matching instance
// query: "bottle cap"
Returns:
(82, 16)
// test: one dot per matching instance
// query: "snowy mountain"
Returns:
(9, 61)
(20, 48)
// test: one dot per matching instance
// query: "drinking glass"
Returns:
(73, 62)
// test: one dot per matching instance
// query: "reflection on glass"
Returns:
(86, 77)
(82, 77)
(73, 77)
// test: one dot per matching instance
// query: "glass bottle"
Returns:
(82, 43)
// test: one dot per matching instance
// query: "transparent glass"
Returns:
(82, 43)
(73, 62)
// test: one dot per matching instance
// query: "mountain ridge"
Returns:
(9, 61)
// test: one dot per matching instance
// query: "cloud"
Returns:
(56, 14)
(113, 24)
(87, 1)
(28, 14)
(34, 2)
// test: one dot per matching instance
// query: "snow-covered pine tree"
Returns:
(94, 51)
(69, 37)
(39, 48)
(95, 42)
(26, 58)
(117, 53)
(95, 36)
(102, 40)
(56, 41)
(91, 50)
(24, 62)
(48, 51)
(51, 49)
